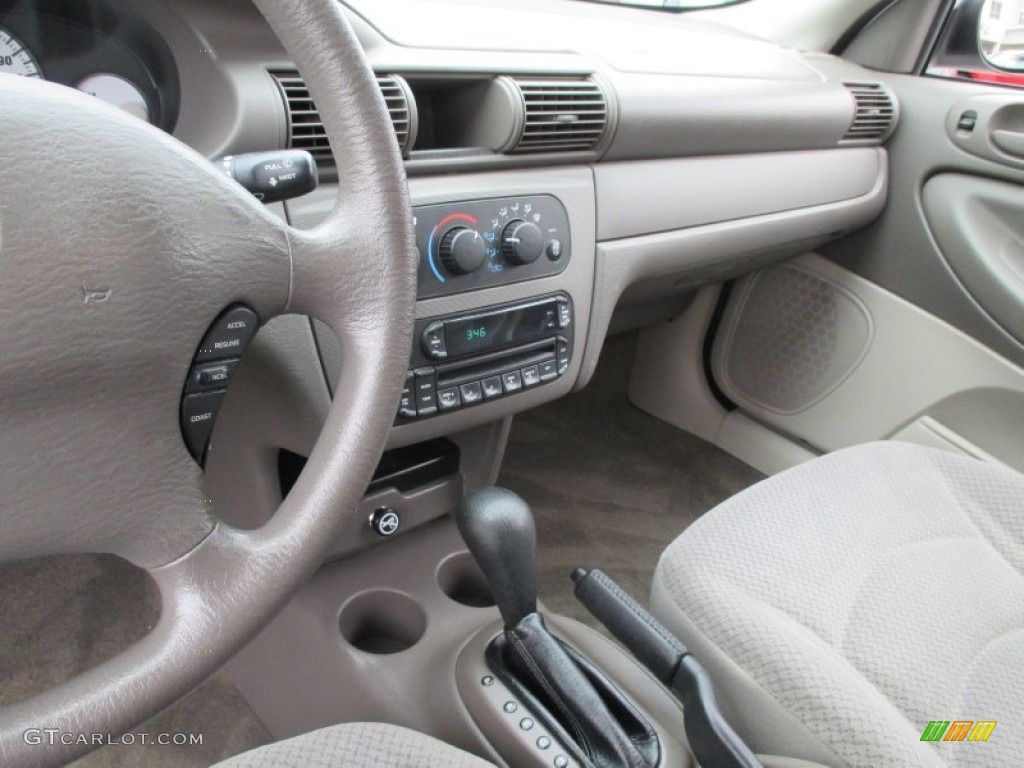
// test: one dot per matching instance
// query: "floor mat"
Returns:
(611, 486)
(62, 615)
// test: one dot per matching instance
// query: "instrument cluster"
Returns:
(95, 48)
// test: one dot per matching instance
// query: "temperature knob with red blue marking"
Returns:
(462, 250)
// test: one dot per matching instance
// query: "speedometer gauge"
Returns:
(15, 58)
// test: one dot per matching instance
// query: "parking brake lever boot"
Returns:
(589, 715)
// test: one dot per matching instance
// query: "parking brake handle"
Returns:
(712, 739)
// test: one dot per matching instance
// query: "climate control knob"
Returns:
(462, 250)
(522, 242)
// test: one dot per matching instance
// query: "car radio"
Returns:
(464, 359)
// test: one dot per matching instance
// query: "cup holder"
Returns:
(382, 621)
(462, 580)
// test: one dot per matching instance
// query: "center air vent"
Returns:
(562, 115)
(306, 130)
(874, 116)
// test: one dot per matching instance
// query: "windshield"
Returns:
(669, 5)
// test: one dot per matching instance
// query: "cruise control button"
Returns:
(407, 405)
(548, 370)
(512, 381)
(211, 376)
(531, 376)
(448, 399)
(471, 393)
(198, 412)
(229, 335)
(543, 742)
(492, 387)
(561, 761)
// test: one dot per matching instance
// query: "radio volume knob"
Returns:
(522, 242)
(462, 250)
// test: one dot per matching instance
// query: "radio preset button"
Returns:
(426, 392)
(548, 369)
(562, 352)
(471, 393)
(433, 342)
(448, 399)
(531, 376)
(551, 319)
(512, 380)
(492, 387)
(407, 405)
(564, 314)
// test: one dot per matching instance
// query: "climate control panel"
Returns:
(484, 243)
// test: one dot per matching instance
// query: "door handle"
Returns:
(1011, 142)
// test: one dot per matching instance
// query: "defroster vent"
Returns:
(561, 115)
(874, 116)
(306, 129)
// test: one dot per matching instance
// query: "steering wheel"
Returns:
(98, 204)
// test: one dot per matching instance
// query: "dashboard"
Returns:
(574, 169)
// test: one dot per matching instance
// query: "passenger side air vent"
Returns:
(874, 116)
(306, 131)
(561, 115)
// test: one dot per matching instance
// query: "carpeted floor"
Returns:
(610, 486)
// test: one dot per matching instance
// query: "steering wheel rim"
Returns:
(356, 272)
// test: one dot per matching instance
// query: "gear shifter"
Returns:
(497, 526)
(572, 697)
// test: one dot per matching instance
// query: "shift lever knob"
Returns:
(497, 526)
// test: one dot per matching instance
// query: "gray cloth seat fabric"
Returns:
(355, 745)
(844, 604)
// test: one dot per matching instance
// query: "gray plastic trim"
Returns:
(654, 196)
(665, 115)
(684, 259)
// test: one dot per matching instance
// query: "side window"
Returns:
(982, 40)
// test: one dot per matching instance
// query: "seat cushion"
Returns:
(844, 604)
(353, 745)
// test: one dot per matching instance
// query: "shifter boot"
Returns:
(572, 698)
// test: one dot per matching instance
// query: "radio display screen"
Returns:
(469, 335)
